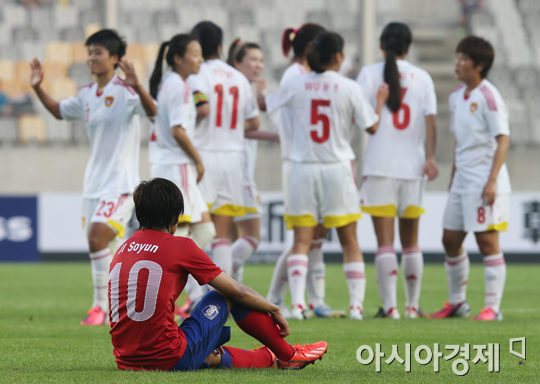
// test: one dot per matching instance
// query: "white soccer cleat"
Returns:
(413, 313)
(297, 313)
(392, 313)
(356, 314)
(284, 308)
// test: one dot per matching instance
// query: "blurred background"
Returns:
(39, 154)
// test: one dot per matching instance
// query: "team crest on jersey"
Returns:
(108, 101)
(474, 107)
(210, 312)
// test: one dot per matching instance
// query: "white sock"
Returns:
(297, 267)
(412, 266)
(182, 231)
(356, 280)
(494, 277)
(315, 282)
(457, 272)
(202, 233)
(194, 291)
(280, 279)
(222, 255)
(100, 262)
(387, 269)
(242, 249)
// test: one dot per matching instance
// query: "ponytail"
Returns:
(395, 40)
(155, 79)
(233, 49)
(177, 46)
(321, 52)
(238, 50)
(299, 39)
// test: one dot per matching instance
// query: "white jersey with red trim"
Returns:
(323, 106)
(112, 121)
(396, 150)
(282, 117)
(476, 121)
(175, 108)
(231, 103)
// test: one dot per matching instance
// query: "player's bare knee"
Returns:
(214, 359)
(487, 246)
(96, 242)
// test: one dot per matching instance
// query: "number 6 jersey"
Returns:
(322, 106)
(396, 150)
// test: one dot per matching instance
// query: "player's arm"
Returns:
(36, 77)
(503, 143)
(185, 143)
(241, 294)
(252, 124)
(430, 166)
(453, 166)
(382, 96)
(262, 135)
(201, 103)
(261, 85)
(131, 79)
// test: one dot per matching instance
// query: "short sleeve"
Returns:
(134, 104)
(364, 115)
(250, 109)
(280, 97)
(177, 112)
(197, 84)
(197, 263)
(430, 101)
(72, 108)
(495, 112)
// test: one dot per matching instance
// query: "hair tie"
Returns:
(295, 31)
(239, 42)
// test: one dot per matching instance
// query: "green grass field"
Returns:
(41, 340)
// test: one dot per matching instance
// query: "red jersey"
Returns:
(147, 275)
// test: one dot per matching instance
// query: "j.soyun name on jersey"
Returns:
(136, 247)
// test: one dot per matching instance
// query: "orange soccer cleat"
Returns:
(488, 314)
(96, 316)
(304, 355)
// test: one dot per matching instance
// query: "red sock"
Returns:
(242, 358)
(261, 326)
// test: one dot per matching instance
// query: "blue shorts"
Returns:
(204, 330)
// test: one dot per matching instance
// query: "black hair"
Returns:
(299, 39)
(395, 40)
(110, 40)
(177, 46)
(238, 50)
(479, 50)
(158, 204)
(210, 36)
(321, 52)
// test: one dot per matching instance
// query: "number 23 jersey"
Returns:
(322, 106)
(396, 150)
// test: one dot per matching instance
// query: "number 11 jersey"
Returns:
(396, 150)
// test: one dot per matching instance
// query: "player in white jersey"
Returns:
(111, 109)
(219, 138)
(396, 166)
(298, 39)
(248, 58)
(480, 185)
(321, 182)
(172, 154)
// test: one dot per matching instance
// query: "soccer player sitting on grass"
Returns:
(147, 275)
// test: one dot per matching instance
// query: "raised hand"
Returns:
(129, 70)
(36, 76)
(261, 85)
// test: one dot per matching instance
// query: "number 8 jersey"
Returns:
(396, 150)
(322, 107)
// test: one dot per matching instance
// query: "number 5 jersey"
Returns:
(396, 150)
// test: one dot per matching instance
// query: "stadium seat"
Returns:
(53, 70)
(72, 34)
(136, 52)
(23, 71)
(8, 130)
(151, 51)
(15, 89)
(90, 29)
(62, 88)
(80, 52)
(32, 128)
(7, 70)
(59, 52)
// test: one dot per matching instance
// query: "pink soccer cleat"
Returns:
(304, 355)
(488, 314)
(96, 316)
(185, 310)
(459, 310)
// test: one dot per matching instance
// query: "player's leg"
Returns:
(493, 218)
(297, 267)
(412, 266)
(316, 277)
(221, 246)
(354, 268)
(249, 231)
(279, 282)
